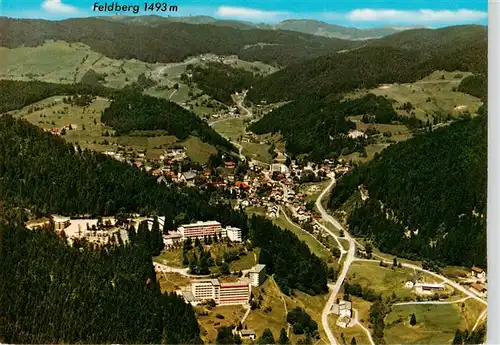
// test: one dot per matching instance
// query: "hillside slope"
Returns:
(426, 196)
(396, 58)
(171, 42)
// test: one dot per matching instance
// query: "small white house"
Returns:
(478, 273)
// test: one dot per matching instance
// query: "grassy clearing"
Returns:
(455, 272)
(469, 313)
(172, 281)
(436, 324)
(245, 262)
(429, 96)
(348, 333)
(313, 244)
(257, 151)
(272, 312)
(231, 128)
(198, 150)
(171, 258)
(382, 280)
(209, 323)
(88, 131)
(62, 62)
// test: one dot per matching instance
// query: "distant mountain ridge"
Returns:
(306, 26)
(169, 41)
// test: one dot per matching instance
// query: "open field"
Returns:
(257, 151)
(61, 62)
(234, 129)
(172, 281)
(382, 280)
(431, 95)
(245, 262)
(348, 333)
(231, 128)
(469, 313)
(271, 313)
(88, 131)
(171, 257)
(209, 323)
(436, 324)
(315, 246)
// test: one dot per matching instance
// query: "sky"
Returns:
(362, 13)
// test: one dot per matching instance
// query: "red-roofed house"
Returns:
(229, 164)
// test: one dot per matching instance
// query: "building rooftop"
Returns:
(188, 296)
(257, 268)
(477, 269)
(199, 223)
(430, 285)
(212, 281)
(479, 287)
(60, 219)
(247, 332)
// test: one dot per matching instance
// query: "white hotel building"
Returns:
(200, 229)
(233, 233)
(221, 293)
(257, 274)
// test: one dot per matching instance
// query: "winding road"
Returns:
(345, 267)
(351, 258)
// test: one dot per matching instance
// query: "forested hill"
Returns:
(171, 42)
(42, 173)
(376, 62)
(45, 174)
(220, 81)
(131, 110)
(51, 292)
(318, 128)
(427, 196)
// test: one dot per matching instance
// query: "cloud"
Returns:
(416, 16)
(56, 6)
(249, 13)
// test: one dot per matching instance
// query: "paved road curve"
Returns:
(345, 268)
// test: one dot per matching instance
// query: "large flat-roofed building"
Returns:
(221, 293)
(234, 234)
(234, 293)
(428, 287)
(200, 229)
(257, 274)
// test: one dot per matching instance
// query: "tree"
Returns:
(413, 320)
(341, 233)
(266, 338)
(353, 341)
(394, 262)
(283, 340)
(225, 336)
(458, 340)
(369, 250)
(224, 269)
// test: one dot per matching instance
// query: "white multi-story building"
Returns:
(257, 274)
(60, 222)
(221, 293)
(200, 229)
(233, 233)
